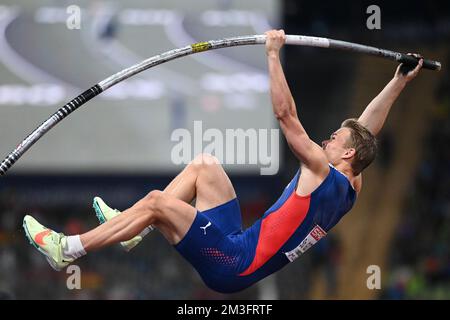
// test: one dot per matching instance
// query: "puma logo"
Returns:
(204, 228)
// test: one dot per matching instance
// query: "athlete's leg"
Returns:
(171, 216)
(205, 180)
(202, 179)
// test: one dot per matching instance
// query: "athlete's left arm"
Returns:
(376, 112)
(285, 110)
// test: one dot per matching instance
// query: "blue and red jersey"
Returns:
(229, 259)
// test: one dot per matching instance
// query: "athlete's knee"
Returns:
(205, 161)
(153, 201)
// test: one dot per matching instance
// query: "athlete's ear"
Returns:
(349, 153)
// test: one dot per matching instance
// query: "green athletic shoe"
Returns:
(47, 242)
(105, 213)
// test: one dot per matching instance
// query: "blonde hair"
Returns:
(364, 143)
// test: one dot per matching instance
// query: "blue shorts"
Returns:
(210, 246)
(220, 251)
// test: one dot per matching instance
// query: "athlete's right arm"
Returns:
(306, 150)
(376, 112)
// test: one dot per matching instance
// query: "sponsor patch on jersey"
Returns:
(311, 239)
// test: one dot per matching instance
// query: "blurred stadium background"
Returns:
(118, 146)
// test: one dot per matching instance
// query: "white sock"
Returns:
(74, 248)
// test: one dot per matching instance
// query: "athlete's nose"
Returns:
(324, 144)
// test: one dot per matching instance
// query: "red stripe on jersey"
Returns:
(277, 228)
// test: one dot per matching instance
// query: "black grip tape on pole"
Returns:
(410, 62)
(59, 115)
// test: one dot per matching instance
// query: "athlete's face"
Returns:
(336, 148)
